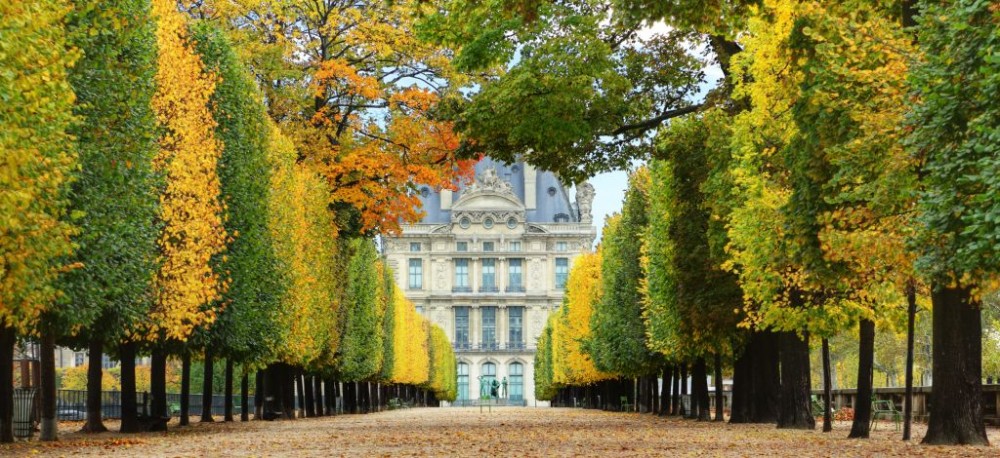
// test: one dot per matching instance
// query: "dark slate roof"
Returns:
(551, 197)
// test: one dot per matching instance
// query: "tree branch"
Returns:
(654, 122)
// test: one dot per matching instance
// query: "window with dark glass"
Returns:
(515, 279)
(461, 246)
(416, 274)
(462, 275)
(489, 374)
(489, 315)
(463, 381)
(461, 327)
(488, 246)
(515, 322)
(489, 284)
(515, 387)
(562, 272)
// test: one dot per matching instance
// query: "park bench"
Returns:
(819, 407)
(627, 406)
(883, 407)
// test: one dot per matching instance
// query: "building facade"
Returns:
(488, 263)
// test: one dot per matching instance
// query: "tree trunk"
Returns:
(7, 339)
(766, 382)
(207, 391)
(286, 374)
(701, 389)
(310, 407)
(245, 396)
(911, 313)
(130, 411)
(720, 397)
(228, 392)
(299, 395)
(158, 389)
(665, 391)
(866, 359)
(258, 395)
(827, 389)
(795, 405)
(185, 418)
(684, 392)
(95, 420)
(956, 400)
(318, 395)
(740, 408)
(676, 408)
(50, 426)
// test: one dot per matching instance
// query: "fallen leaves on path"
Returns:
(528, 432)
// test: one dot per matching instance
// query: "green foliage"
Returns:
(618, 340)
(389, 323)
(955, 132)
(248, 327)
(361, 347)
(115, 193)
(577, 97)
(690, 299)
(545, 389)
(443, 367)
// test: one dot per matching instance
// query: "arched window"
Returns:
(515, 388)
(463, 381)
(489, 374)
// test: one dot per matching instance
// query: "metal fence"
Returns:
(72, 404)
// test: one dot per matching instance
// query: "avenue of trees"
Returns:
(155, 201)
(841, 170)
(205, 179)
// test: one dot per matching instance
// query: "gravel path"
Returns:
(504, 432)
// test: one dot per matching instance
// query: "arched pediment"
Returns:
(488, 201)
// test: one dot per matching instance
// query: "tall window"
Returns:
(461, 275)
(489, 374)
(416, 274)
(515, 281)
(562, 271)
(515, 320)
(489, 284)
(489, 327)
(461, 327)
(515, 385)
(463, 381)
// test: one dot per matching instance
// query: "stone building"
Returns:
(488, 264)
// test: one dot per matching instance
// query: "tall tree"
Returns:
(360, 96)
(35, 168)
(247, 330)
(361, 345)
(953, 124)
(187, 287)
(618, 341)
(115, 194)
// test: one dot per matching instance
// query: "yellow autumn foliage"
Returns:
(570, 364)
(411, 364)
(186, 286)
(36, 157)
(305, 244)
